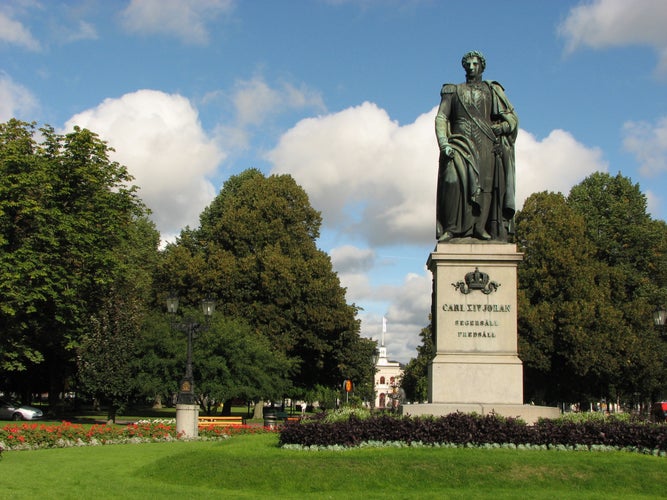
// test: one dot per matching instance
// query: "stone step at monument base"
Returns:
(476, 378)
(528, 413)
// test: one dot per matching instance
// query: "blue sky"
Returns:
(342, 95)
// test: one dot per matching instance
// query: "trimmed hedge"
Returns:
(473, 429)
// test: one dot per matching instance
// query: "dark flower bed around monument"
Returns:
(475, 430)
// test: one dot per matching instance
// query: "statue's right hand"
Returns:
(447, 150)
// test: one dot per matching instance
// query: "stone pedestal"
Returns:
(476, 366)
(187, 420)
(475, 322)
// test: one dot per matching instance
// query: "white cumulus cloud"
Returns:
(648, 142)
(247, 103)
(555, 163)
(253, 97)
(184, 20)
(407, 315)
(359, 160)
(352, 264)
(16, 101)
(349, 258)
(159, 138)
(614, 23)
(15, 33)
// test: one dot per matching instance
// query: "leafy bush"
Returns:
(475, 430)
(345, 413)
(597, 416)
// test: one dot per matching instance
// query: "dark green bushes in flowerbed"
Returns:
(471, 429)
(608, 432)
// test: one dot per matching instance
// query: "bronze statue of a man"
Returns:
(476, 129)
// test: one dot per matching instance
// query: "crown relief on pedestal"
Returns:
(476, 280)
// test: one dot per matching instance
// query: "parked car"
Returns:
(659, 412)
(12, 410)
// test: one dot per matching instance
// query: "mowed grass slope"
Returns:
(254, 467)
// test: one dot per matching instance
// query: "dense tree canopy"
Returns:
(593, 273)
(230, 359)
(564, 335)
(66, 212)
(82, 283)
(255, 251)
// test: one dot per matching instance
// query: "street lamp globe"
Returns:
(208, 306)
(375, 356)
(172, 304)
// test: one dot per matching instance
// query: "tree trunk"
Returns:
(56, 388)
(259, 410)
(157, 402)
(111, 414)
(227, 408)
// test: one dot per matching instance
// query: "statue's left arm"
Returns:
(506, 122)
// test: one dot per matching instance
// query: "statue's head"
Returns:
(474, 53)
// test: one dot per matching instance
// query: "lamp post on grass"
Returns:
(187, 408)
(374, 358)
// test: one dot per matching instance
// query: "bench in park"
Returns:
(282, 416)
(220, 421)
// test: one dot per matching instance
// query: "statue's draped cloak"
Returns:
(482, 169)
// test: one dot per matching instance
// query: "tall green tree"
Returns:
(634, 248)
(106, 354)
(564, 340)
(586, 288)
(255, 251)
(235, 361)
(66, 210)
(109, 360)
(618, 225)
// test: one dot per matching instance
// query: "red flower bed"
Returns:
(24, 436)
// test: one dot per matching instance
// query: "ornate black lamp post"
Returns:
(186, 389)
(374, 359)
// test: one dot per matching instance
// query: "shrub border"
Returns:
(473, 430)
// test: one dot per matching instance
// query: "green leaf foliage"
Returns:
(593, 271)
(255, 251)
(72, 233)
(106, 351)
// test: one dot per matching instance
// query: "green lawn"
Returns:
(254, 467)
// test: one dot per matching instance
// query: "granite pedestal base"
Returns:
(476, 367)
